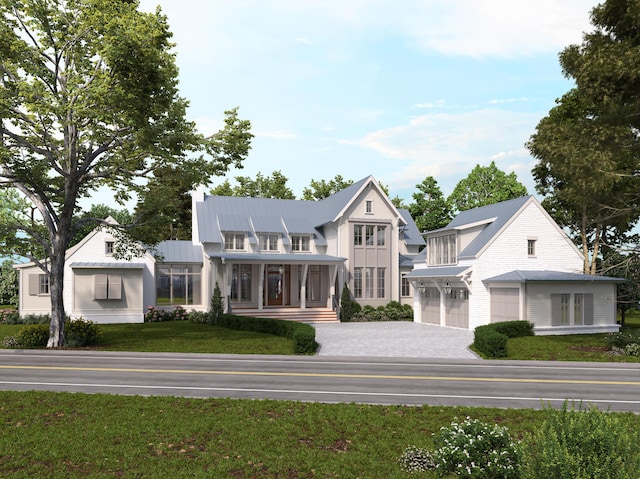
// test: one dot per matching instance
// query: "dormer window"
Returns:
(234, 241)
(300, 243)
(269, 242)
(442, 250)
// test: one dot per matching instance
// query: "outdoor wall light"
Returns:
(421, 287)
(447, 288)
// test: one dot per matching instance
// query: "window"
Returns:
(369, 272)
(38, 284)
(178, 284)
(381, 283)
(381, 235)
(299, 243)
(357, 282)
(577, 309)
(405, 289)
(368, 207)
(108, 247)
(107, 286)
(369, 232)
(269, 242)
(241, 283)
(313, 284)
(234, 241)
(442, 250)
(531, 247)
(357, 235)
(572, 309)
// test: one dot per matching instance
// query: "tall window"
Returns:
(382, 292)
(178, 284)
(241, 280)
(357, 235)
(531, 247)
(299, 243)
(578, 310)
(369, 272)
(405, 289)
(234, 241)
(313, 283)
(565, 314)
(368, 207)
(382, 235)
(269, 242)
(369, 232)
(357, 282)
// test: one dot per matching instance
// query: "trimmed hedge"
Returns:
(303, 335)
(491, 339)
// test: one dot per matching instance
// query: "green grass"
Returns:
(181, 336)
(78, 435)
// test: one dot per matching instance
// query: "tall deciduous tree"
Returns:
(274, 186)
(8, 284)
(430, 209)
(89, 98)
(485, 185)
(587, 147)
(321, 189)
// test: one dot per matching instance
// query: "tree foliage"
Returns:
(8, 284)
(321, 189)
(274, 186)
(89, 98)
(587, 147)
(430, 209)
(485, 185)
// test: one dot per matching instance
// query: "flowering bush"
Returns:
(179, 314)
(81, 332)
(473, 449)
(417, 459)
(9, 316)
(155, 315)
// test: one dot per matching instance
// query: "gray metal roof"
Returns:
(412, 235)
(106, 265)
(175, 251)
(406, 260)
(502, 212)
(276, 258)
(522, 276)
(439, 272)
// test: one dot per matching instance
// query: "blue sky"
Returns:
(397, 89)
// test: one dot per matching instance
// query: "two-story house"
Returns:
(270, 257)
(509, 261)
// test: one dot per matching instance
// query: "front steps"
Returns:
(308, 315)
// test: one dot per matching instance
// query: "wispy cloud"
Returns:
(276, 134)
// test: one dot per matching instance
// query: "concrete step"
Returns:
(309, 315)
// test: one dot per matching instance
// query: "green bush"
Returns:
(490, 342)
(347, 305)
(156, 315)
(417, 459)
(474, 449)
(582, 444)
(623, 338)
(9, 316)
(33, 336)
(303, 335)
(81, 332)
(198, 317)
(514, 329)
(216, 309)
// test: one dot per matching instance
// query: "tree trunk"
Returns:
(56, 280)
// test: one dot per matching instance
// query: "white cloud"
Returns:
(276, 134)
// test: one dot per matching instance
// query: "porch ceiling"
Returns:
(443, 272)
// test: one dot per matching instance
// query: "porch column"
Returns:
(303, 287)
(443, 303)
(261, 286)
(333, 274)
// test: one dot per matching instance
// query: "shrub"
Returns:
(473, 449)
(198, 317)
(81, 332)
(33, 336)
(156, 315)
(347, 305)
(490, 342)
(9, 316)
(178, 314)
(582, 444)
(10, 342)
(303, 335)
(623, 339)
(514, 329)
(417, 459)
(216, 309)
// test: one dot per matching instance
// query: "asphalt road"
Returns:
(521, 384)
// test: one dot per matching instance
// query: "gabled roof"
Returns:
(412, 236)
(524, 276)
(179, 251)
(266, 215)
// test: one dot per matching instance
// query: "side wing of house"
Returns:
(33, 292)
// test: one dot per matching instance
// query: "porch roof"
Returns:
(523, 276)
(440, 272)
(276, 258)
(106, 265)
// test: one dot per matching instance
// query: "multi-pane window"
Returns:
(368, 208)
(369, 232)
(178, 284)
(241, 283)
(269, 242)
(405, 289)
(313, 283)
(357, 235)
(565, 314)
(572, 309)
(442, 250)
(382, 235)
(234, 241)
(369, 272)
(357, 282)
(299, 243)
(108, 247)
(38, 284)
(578, 310)
(381, 282)
(531, 247)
